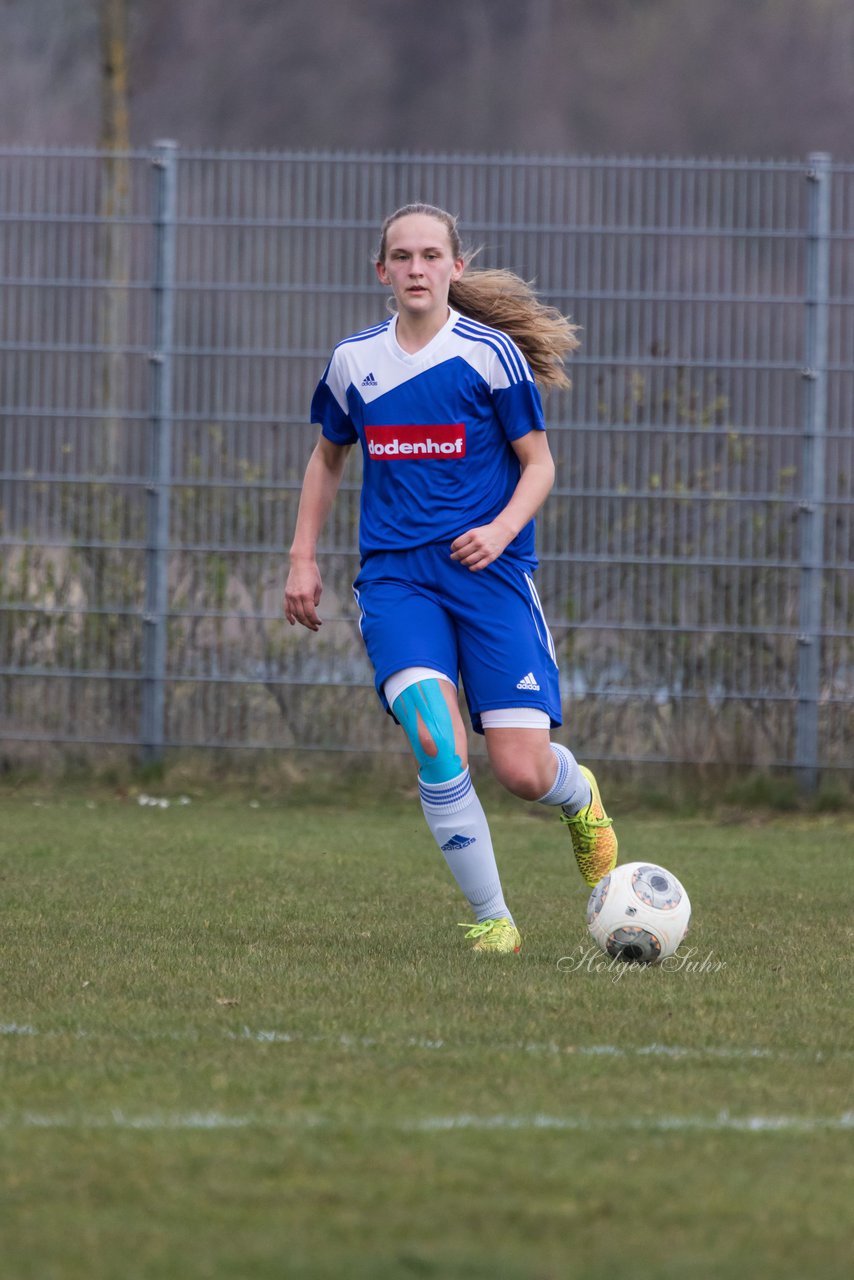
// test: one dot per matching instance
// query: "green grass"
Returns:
(249, 1042)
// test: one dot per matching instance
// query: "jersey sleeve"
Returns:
(329, 405)
(515, 394)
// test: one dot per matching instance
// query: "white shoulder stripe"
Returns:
(507, 351)
(487, 340)
(506, 342)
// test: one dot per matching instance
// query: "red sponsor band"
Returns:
(438, 440)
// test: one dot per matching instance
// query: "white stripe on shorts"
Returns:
(539, 617)
(361, 612)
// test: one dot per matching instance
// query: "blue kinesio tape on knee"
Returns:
(426, 700)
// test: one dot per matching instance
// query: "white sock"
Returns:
(570, 788)
(456, 818)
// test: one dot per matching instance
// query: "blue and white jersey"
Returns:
(435, 429)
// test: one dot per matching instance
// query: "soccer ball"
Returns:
(639, 912)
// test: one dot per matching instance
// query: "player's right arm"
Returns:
(319, 487)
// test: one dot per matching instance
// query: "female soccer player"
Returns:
(441, 396)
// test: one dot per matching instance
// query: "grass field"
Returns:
(246, 1040)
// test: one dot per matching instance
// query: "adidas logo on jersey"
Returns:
(370, 381)
(528, 683)
(458, 842)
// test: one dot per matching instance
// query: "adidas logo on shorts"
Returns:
(529, 683)
(370, 381)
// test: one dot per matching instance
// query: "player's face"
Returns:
(419, 265)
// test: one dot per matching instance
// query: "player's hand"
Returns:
(302, 595)
(479, 547)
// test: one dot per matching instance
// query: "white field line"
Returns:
(723, 1122)
(119, 1120)
(728, 1053)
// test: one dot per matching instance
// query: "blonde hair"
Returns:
(504, 301)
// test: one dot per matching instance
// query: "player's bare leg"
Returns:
(531, 766)
(522, 760)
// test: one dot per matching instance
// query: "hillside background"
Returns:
(757, 78)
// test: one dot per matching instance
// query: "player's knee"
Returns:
(526, 774)
(423, 713)
(520, 778)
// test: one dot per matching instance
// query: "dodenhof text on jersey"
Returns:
(438, 440)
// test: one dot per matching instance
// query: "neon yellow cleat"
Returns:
(594, 841)
(494, 935)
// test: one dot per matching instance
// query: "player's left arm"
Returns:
(478, 547)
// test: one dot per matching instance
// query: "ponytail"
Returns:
(504, 301)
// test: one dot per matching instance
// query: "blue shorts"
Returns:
(420, 608)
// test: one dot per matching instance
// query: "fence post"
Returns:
(816, 317)
(160, 457)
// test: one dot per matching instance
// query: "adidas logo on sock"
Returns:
(458, 842)
(370, 381)
(529, 683)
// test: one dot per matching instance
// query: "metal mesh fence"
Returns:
(166, 316)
